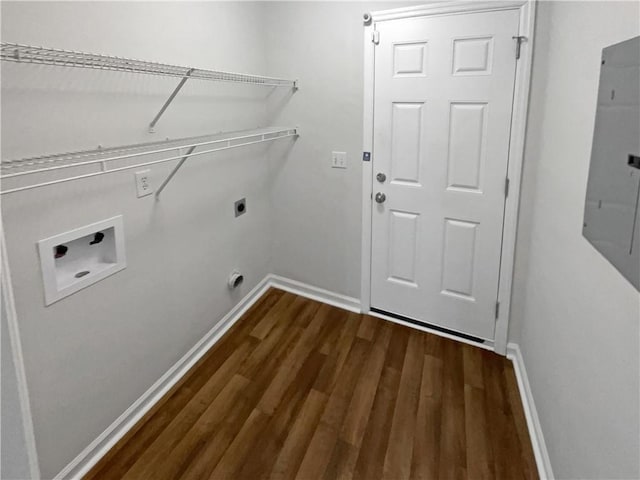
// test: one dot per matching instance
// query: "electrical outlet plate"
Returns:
(338, 159)
(143, 183)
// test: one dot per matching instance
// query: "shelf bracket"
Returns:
(175, 170)
(169, 100)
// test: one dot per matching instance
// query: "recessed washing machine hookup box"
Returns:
(76, 259)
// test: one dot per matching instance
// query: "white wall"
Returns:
(576, 318)
(91, 355)
(317, 209)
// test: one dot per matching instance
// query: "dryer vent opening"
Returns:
(235, 280)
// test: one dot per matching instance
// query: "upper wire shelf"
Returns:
(15, 52)
(35, 172)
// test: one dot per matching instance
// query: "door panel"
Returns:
(442, 116)
(467, 141)
(458, 258)
(406, 141)
(403, 244)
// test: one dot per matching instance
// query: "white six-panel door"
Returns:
(442, 118)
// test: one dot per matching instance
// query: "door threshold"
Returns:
(429, 325)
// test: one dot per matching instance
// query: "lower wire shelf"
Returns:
(36, 172)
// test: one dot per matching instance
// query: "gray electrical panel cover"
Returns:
(611, 211)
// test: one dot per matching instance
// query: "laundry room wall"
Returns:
(317, 209)
(89, 356)
(574, 315)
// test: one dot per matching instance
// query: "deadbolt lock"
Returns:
(381, 177)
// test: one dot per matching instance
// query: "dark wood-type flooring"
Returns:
(300, 389)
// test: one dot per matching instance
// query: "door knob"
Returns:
(380, 197)
(381, 177)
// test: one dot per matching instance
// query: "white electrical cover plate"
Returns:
(338, 159)
(143, 183)
(76, 259)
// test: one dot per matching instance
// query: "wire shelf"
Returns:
(115, 159)
(15, 52)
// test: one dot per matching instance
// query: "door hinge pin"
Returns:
(506, 187)
(519, 39)
(375, 37)
(497, 310)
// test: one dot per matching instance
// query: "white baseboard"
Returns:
(533, 422)
(315, 293)
(81, 465)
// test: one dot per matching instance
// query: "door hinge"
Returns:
(375, 37)
(506, 187)
(497, 310)
(519, 39)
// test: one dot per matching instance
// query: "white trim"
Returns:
(315, 293)
(81, 465)
(514, 172)
(451, 7)
(533, 422)
(18, 360)
(367, 168)
(516, 149)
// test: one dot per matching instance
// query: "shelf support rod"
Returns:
(169, 100)
(175, 170)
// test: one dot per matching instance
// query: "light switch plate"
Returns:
(143, 183)
(338, 159)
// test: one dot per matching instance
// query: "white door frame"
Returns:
(516, 140)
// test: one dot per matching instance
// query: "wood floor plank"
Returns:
(265, 324)
(374, 444)
(293, 362)
(241, 447)
(174, 464)
(299, 389)
(325, 438)
(426, 447)
(296, 443)
(479, 450)
(318, 454)
(342, 464)
(472, 361)
(147, 464)
(338, 355)
(357, 416)
(397, 462)
(452, 462)
(302, 310)
(201, 463)
(367, 328)
(272, 439)
(342, 392)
